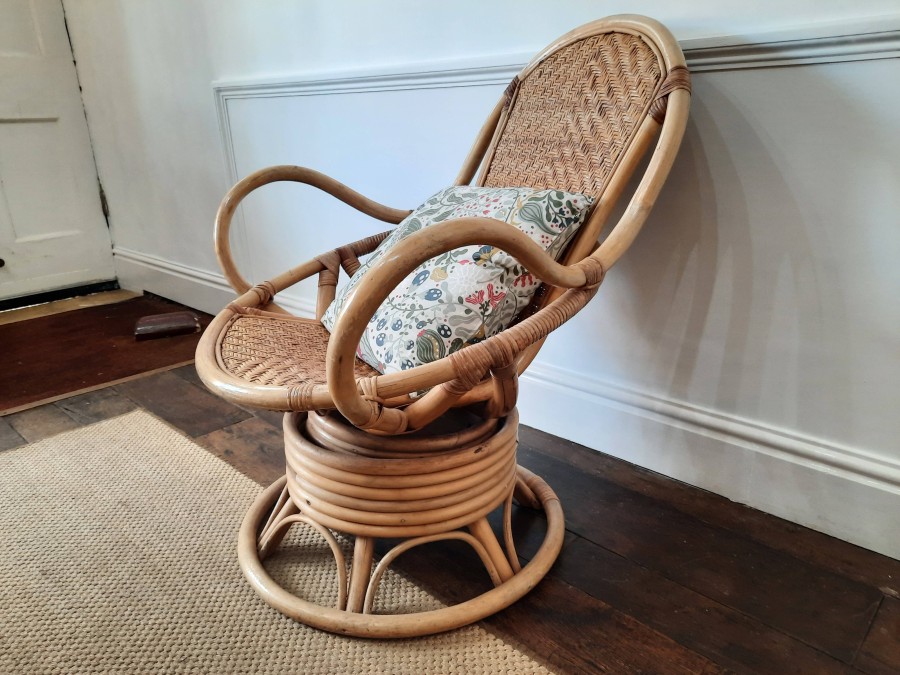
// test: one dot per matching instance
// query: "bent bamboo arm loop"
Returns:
(297, 174)
(393, 267)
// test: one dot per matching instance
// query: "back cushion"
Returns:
(469, 293)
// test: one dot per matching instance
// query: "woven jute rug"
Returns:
(118, 555)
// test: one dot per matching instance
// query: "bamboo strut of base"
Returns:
(508, 541)
(523, 494)
(482, 531)
(283, 499)
(404, 546)
(360, 573)
(280, 530)
(273, 532)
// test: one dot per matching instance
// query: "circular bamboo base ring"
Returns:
(443, 462)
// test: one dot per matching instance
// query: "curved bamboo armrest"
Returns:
(296, 174)
(260, 296)
(468, 365)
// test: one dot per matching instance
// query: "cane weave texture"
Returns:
(278, 351)
(574, 114)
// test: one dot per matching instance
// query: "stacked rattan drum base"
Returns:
(418, 488)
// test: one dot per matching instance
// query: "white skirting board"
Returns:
(206, 291)
(841, 491)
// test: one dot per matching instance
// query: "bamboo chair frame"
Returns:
(482, 375)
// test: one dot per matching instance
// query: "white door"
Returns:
(52, 230)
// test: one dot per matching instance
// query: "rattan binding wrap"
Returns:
(678, 78)
(269, 349)
(574, 114)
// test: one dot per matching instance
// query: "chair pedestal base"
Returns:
(418, 488)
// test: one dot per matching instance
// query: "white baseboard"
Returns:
(194, 287)
(846, 492)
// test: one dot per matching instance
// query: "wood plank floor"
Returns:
(655, 576)
(37, 352)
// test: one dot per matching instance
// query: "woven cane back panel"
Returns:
(278, 352)
(574, 114)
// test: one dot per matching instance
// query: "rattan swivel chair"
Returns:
(365, 457)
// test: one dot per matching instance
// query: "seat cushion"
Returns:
(470, 293)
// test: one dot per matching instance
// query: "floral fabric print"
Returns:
(470, 293)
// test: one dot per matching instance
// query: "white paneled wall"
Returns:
(747, 344)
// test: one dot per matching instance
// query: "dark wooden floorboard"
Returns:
(529, 527)
(189, 373)
(253, 446)
(880, 653)
(9, 437)
(781, 591)
(185, 406)
(655, 576)
(727, 636)
(579, 634)
(41, 422)
(817, 548)
(96, 406)
(52, 355)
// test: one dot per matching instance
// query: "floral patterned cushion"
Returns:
(467, 294)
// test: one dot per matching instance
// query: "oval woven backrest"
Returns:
(580, 116)
(572, 113)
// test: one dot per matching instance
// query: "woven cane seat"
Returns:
(277, 350)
